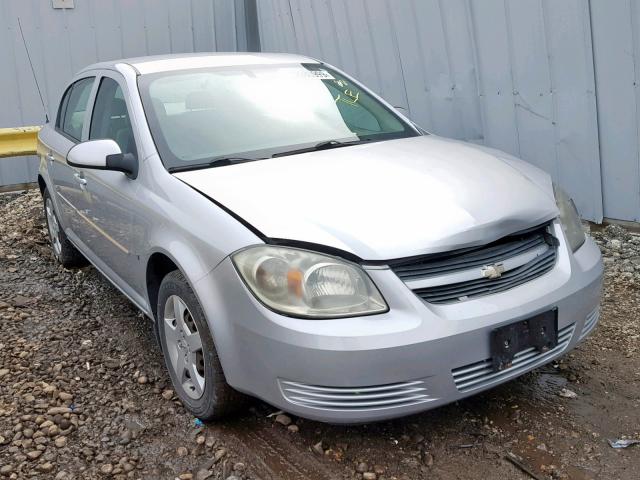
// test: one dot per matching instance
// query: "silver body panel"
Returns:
(376, 202)
(384, 200)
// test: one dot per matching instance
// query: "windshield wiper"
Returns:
(321, 146)
(216, 162)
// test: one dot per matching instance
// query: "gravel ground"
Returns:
(84, 394)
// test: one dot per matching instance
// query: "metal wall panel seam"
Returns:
(479, 85)
(514, 84)
(211, 22)
(423, 68)
(554, 103)
(66, 32)
(287, 42)
(394, 39)
(240, 12)
(146, 33)
(193, 30)
(17, 82)
(277, 30)
(46, 88)
(321, 41)
(310, 44)
(268, 19)
(358, 70)
(450, 70)
(170, 33)
(299, 35)
(334, 29)
(276, 27)
(304, 32)
(595, 173)
(376, 67)
(633, 15)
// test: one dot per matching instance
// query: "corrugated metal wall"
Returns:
(552, 81)
(515, 75)
(63, 41)
(616, 43)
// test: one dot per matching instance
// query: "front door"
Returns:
(112, 195)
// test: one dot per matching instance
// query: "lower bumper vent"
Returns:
(355, 398)
(590, 323)
(480, 374)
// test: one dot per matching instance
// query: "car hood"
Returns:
(385, 200)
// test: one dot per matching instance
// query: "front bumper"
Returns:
(415, 357)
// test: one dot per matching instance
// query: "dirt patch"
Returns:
(84, 394)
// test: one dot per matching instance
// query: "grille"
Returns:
(590, 323)
(480, 374)
(469, 258)
(485, 286)
(526, 256)
(355, 398)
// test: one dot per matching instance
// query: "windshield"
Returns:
(258, 111)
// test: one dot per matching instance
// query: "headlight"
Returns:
(300, 283)
(569, 218)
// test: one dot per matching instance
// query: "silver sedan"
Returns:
(296, 239)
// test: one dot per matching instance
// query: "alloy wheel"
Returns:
(54, 228)
(184, 346)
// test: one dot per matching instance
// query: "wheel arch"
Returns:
(159, 265)
(161, 262)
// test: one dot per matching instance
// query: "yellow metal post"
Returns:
(19, 141)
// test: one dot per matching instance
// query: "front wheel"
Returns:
(190, 354)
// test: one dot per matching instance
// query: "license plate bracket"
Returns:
(539, 332)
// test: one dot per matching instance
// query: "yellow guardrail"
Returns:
(18, 141)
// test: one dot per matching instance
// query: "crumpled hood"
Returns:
(385, 200)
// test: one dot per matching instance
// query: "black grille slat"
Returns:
(477, 263)
(506, 277)
(497, 254)
(476, 258)
(485, 286)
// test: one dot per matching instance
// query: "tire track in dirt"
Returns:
(272, 455)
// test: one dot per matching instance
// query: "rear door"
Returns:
(71, 127)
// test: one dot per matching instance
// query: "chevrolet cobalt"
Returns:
(295, 238)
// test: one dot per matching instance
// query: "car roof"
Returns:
(165, 63)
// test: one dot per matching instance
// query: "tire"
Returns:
(190, 354)
(61, 248)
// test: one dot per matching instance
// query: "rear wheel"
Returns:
(190, 354)
(63, 250)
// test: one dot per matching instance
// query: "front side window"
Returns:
(73, 108)
(110, 117)
(258, 111)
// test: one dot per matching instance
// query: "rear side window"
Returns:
(73, 108)
(110, 117)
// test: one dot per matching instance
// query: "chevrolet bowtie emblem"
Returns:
(493, 271)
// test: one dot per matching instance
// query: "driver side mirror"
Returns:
(103, 155)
